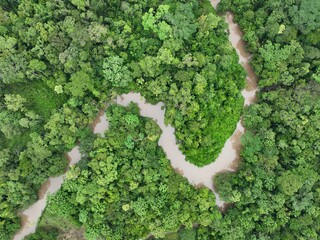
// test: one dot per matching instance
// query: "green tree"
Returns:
(115, 73)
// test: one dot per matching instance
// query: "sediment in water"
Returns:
(228, 159)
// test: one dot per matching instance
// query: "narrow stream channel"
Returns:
(227, 161)
(31, 215)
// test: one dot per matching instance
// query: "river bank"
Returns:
(228, 159)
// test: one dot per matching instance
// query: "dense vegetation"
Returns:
(80, 54)
(276, 193)
(60, 61)
(125, 187)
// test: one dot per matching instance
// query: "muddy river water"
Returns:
(227, 160)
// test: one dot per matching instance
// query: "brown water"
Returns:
(101, 123)
(198, 176)
(30, 216)
(235, 37)
(228, 159)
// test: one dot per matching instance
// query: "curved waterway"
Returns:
(31, 215)
(227, 161)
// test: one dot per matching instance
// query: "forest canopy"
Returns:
(125, 187)
(62, 61)
(275, 193)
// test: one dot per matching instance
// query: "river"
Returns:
(228, 159)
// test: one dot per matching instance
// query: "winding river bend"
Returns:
(227, 161)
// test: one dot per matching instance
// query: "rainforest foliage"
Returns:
(276, 193)
(61, 61)
(125, 188)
